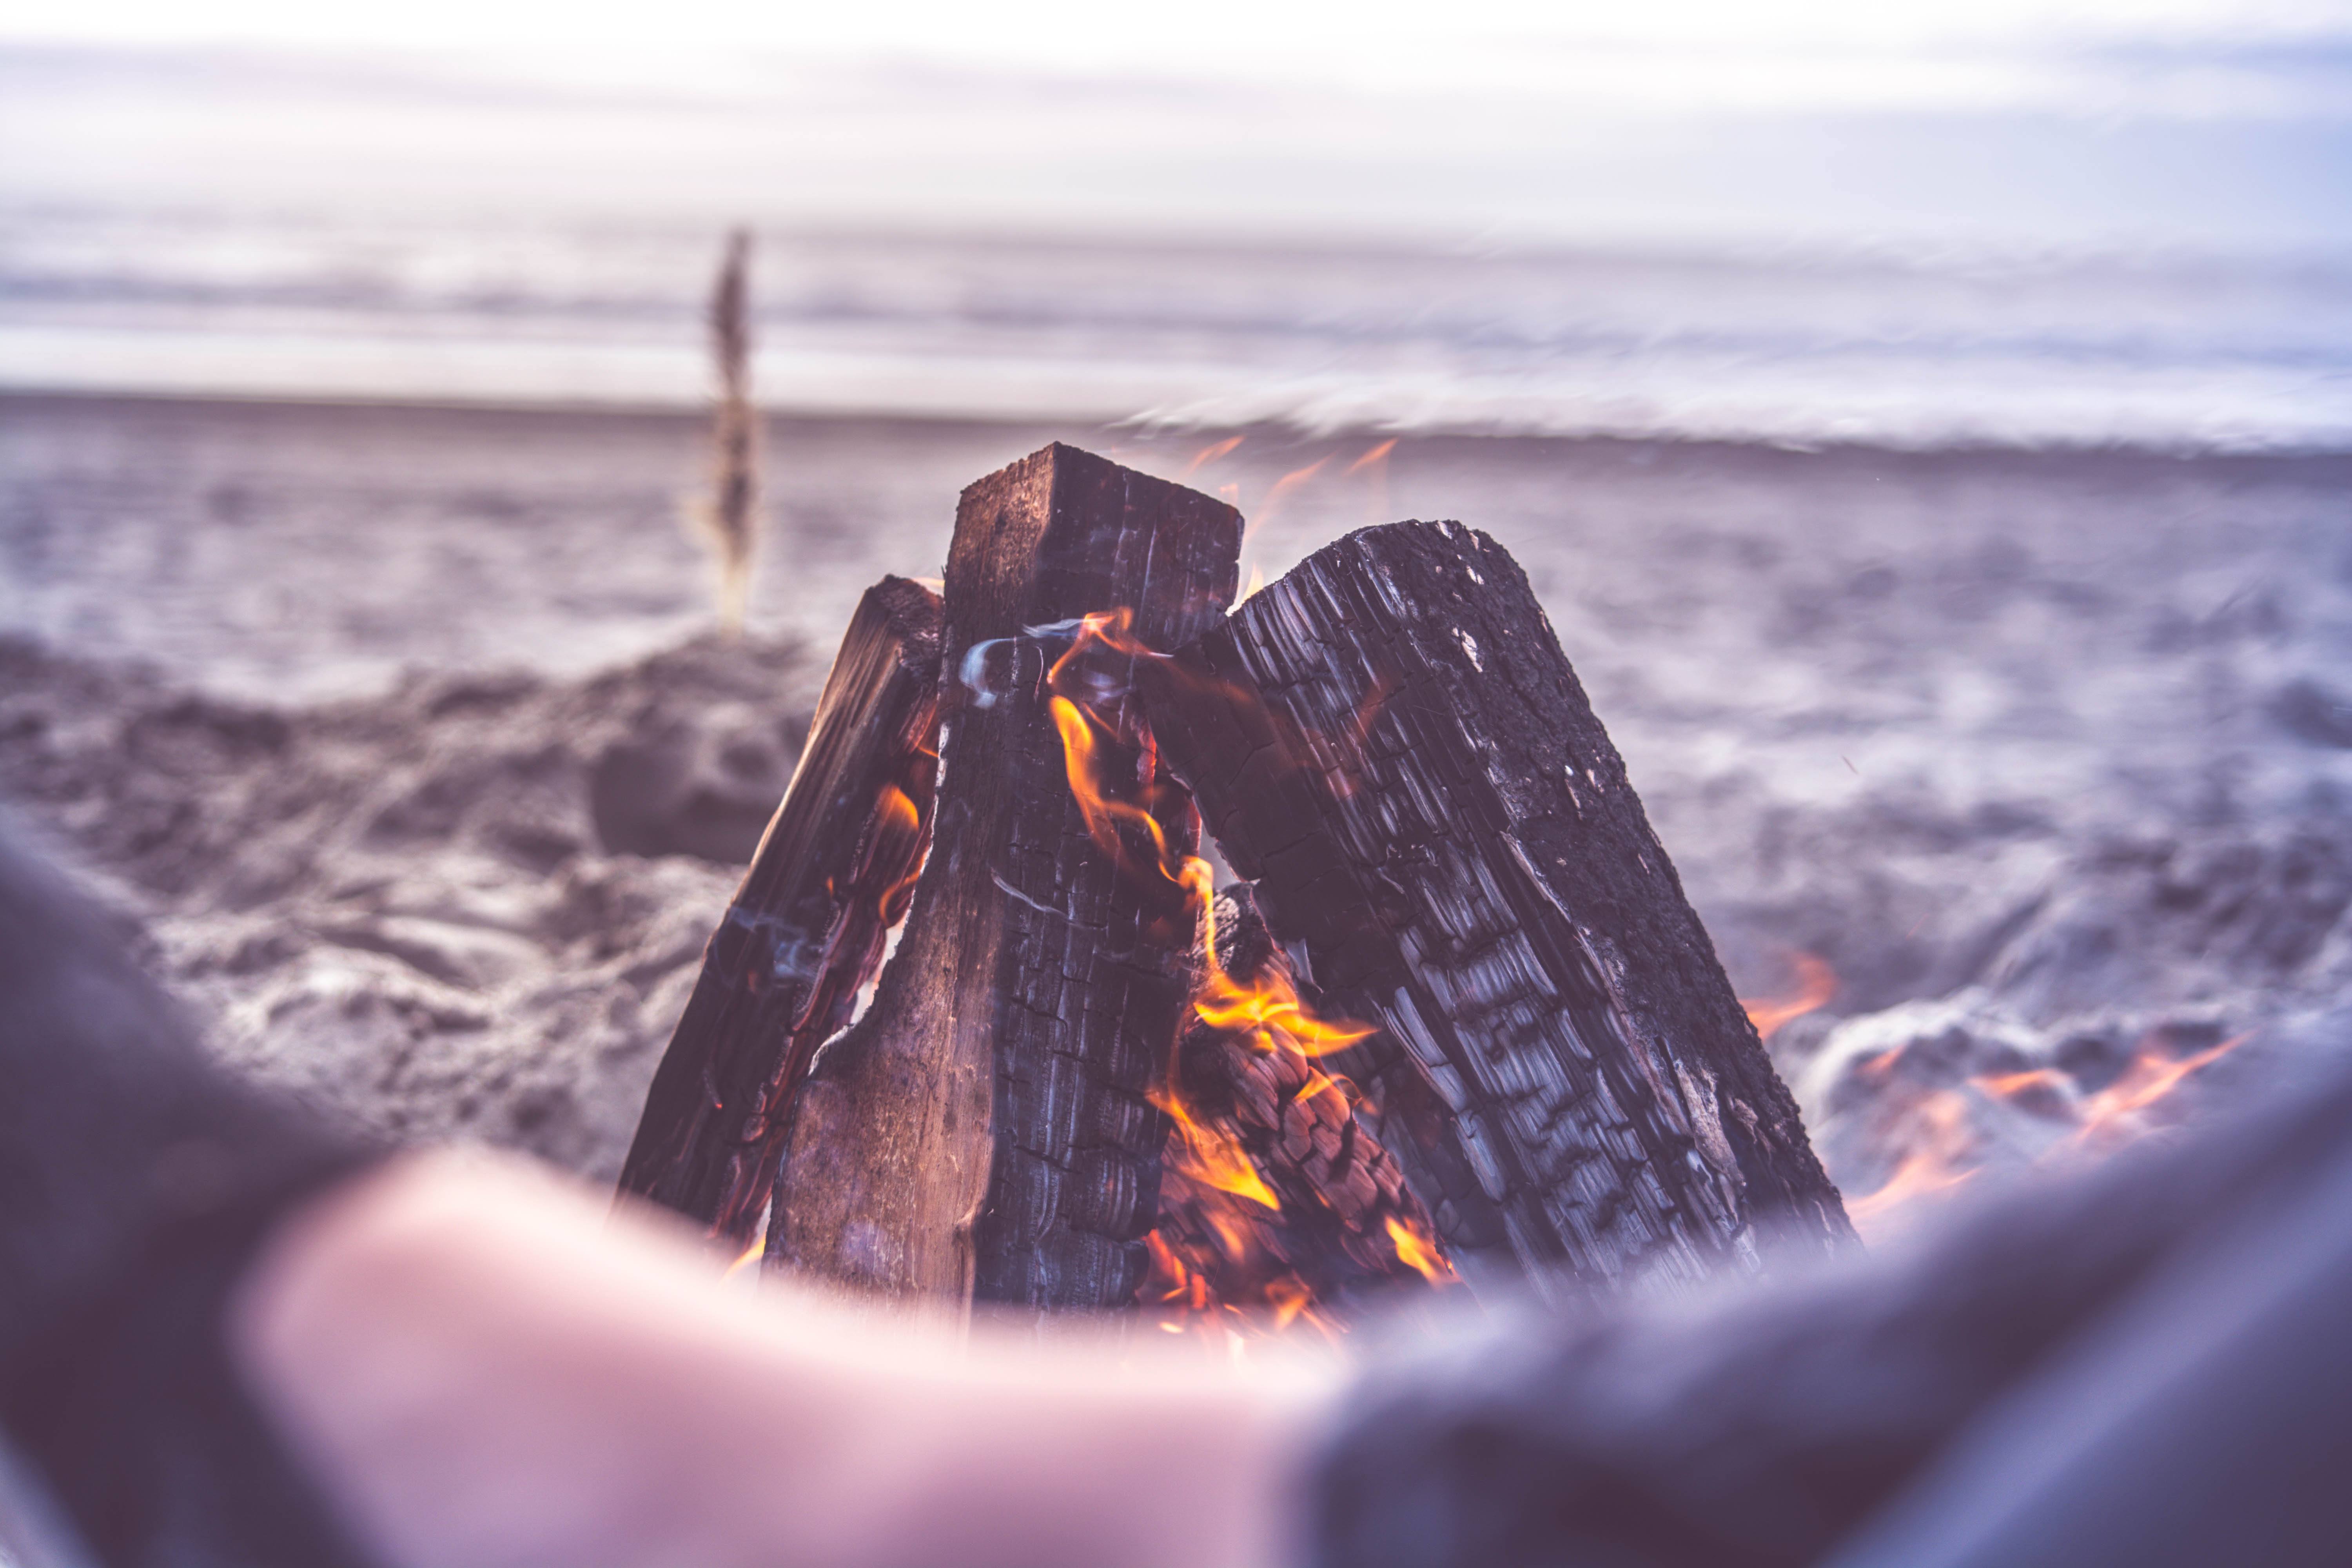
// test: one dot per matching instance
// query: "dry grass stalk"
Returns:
(726, 519)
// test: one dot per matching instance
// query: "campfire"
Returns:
(1452, 1025)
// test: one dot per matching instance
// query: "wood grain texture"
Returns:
(982, 1132)
(1392, 744)
(806, 928)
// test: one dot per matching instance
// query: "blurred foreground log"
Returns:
(1390, 741)
(805, 929)
(984, 1130)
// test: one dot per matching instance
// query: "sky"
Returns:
(958, 25)
(2000, 124)
(268, 158)
(1389, 43)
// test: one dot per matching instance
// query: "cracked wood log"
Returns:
(806, 928)
(982, 1132)
(1390, 744)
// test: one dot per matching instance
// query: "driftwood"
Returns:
(1390, 744)
(984, 1130)
(806, 928)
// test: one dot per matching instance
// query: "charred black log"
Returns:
(806, 928)
(1339, 1225)
(984, 1130)
(1390, 744)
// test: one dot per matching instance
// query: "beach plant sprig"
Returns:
(726, 518)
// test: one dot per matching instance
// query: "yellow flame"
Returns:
(1268, 1006)
(897, 821)
(1207, 1166)
(746, 1258)
(1420, 1253)
(1216, 1161)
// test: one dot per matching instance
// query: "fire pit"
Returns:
(1457, 1024)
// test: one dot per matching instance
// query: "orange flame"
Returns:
(1124, 810)
(1375, 463)
(1817, 983)
(895, 811)
(1101, 800)
(1210, 454)
(897, 818)
(2044, 1091)
(1202, 1161)
(1936, 1167)
(2112, 1115)
(1281, 492)
(1268, 1008)
(746, 1258)
(1257, 582)
(1103, 813)
(1882, 1064)
(1946, 1155)
(2010, 1085)
(1420, 1253)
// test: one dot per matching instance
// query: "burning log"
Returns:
(1390, 744)
(806, 928)
(1061, 1096)
(984, 1130)
(1274, 1195)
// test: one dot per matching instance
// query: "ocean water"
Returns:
(2138, 250)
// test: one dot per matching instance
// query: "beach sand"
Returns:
(2047, 754)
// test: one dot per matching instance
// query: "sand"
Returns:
(415, 912)
(399, 734)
